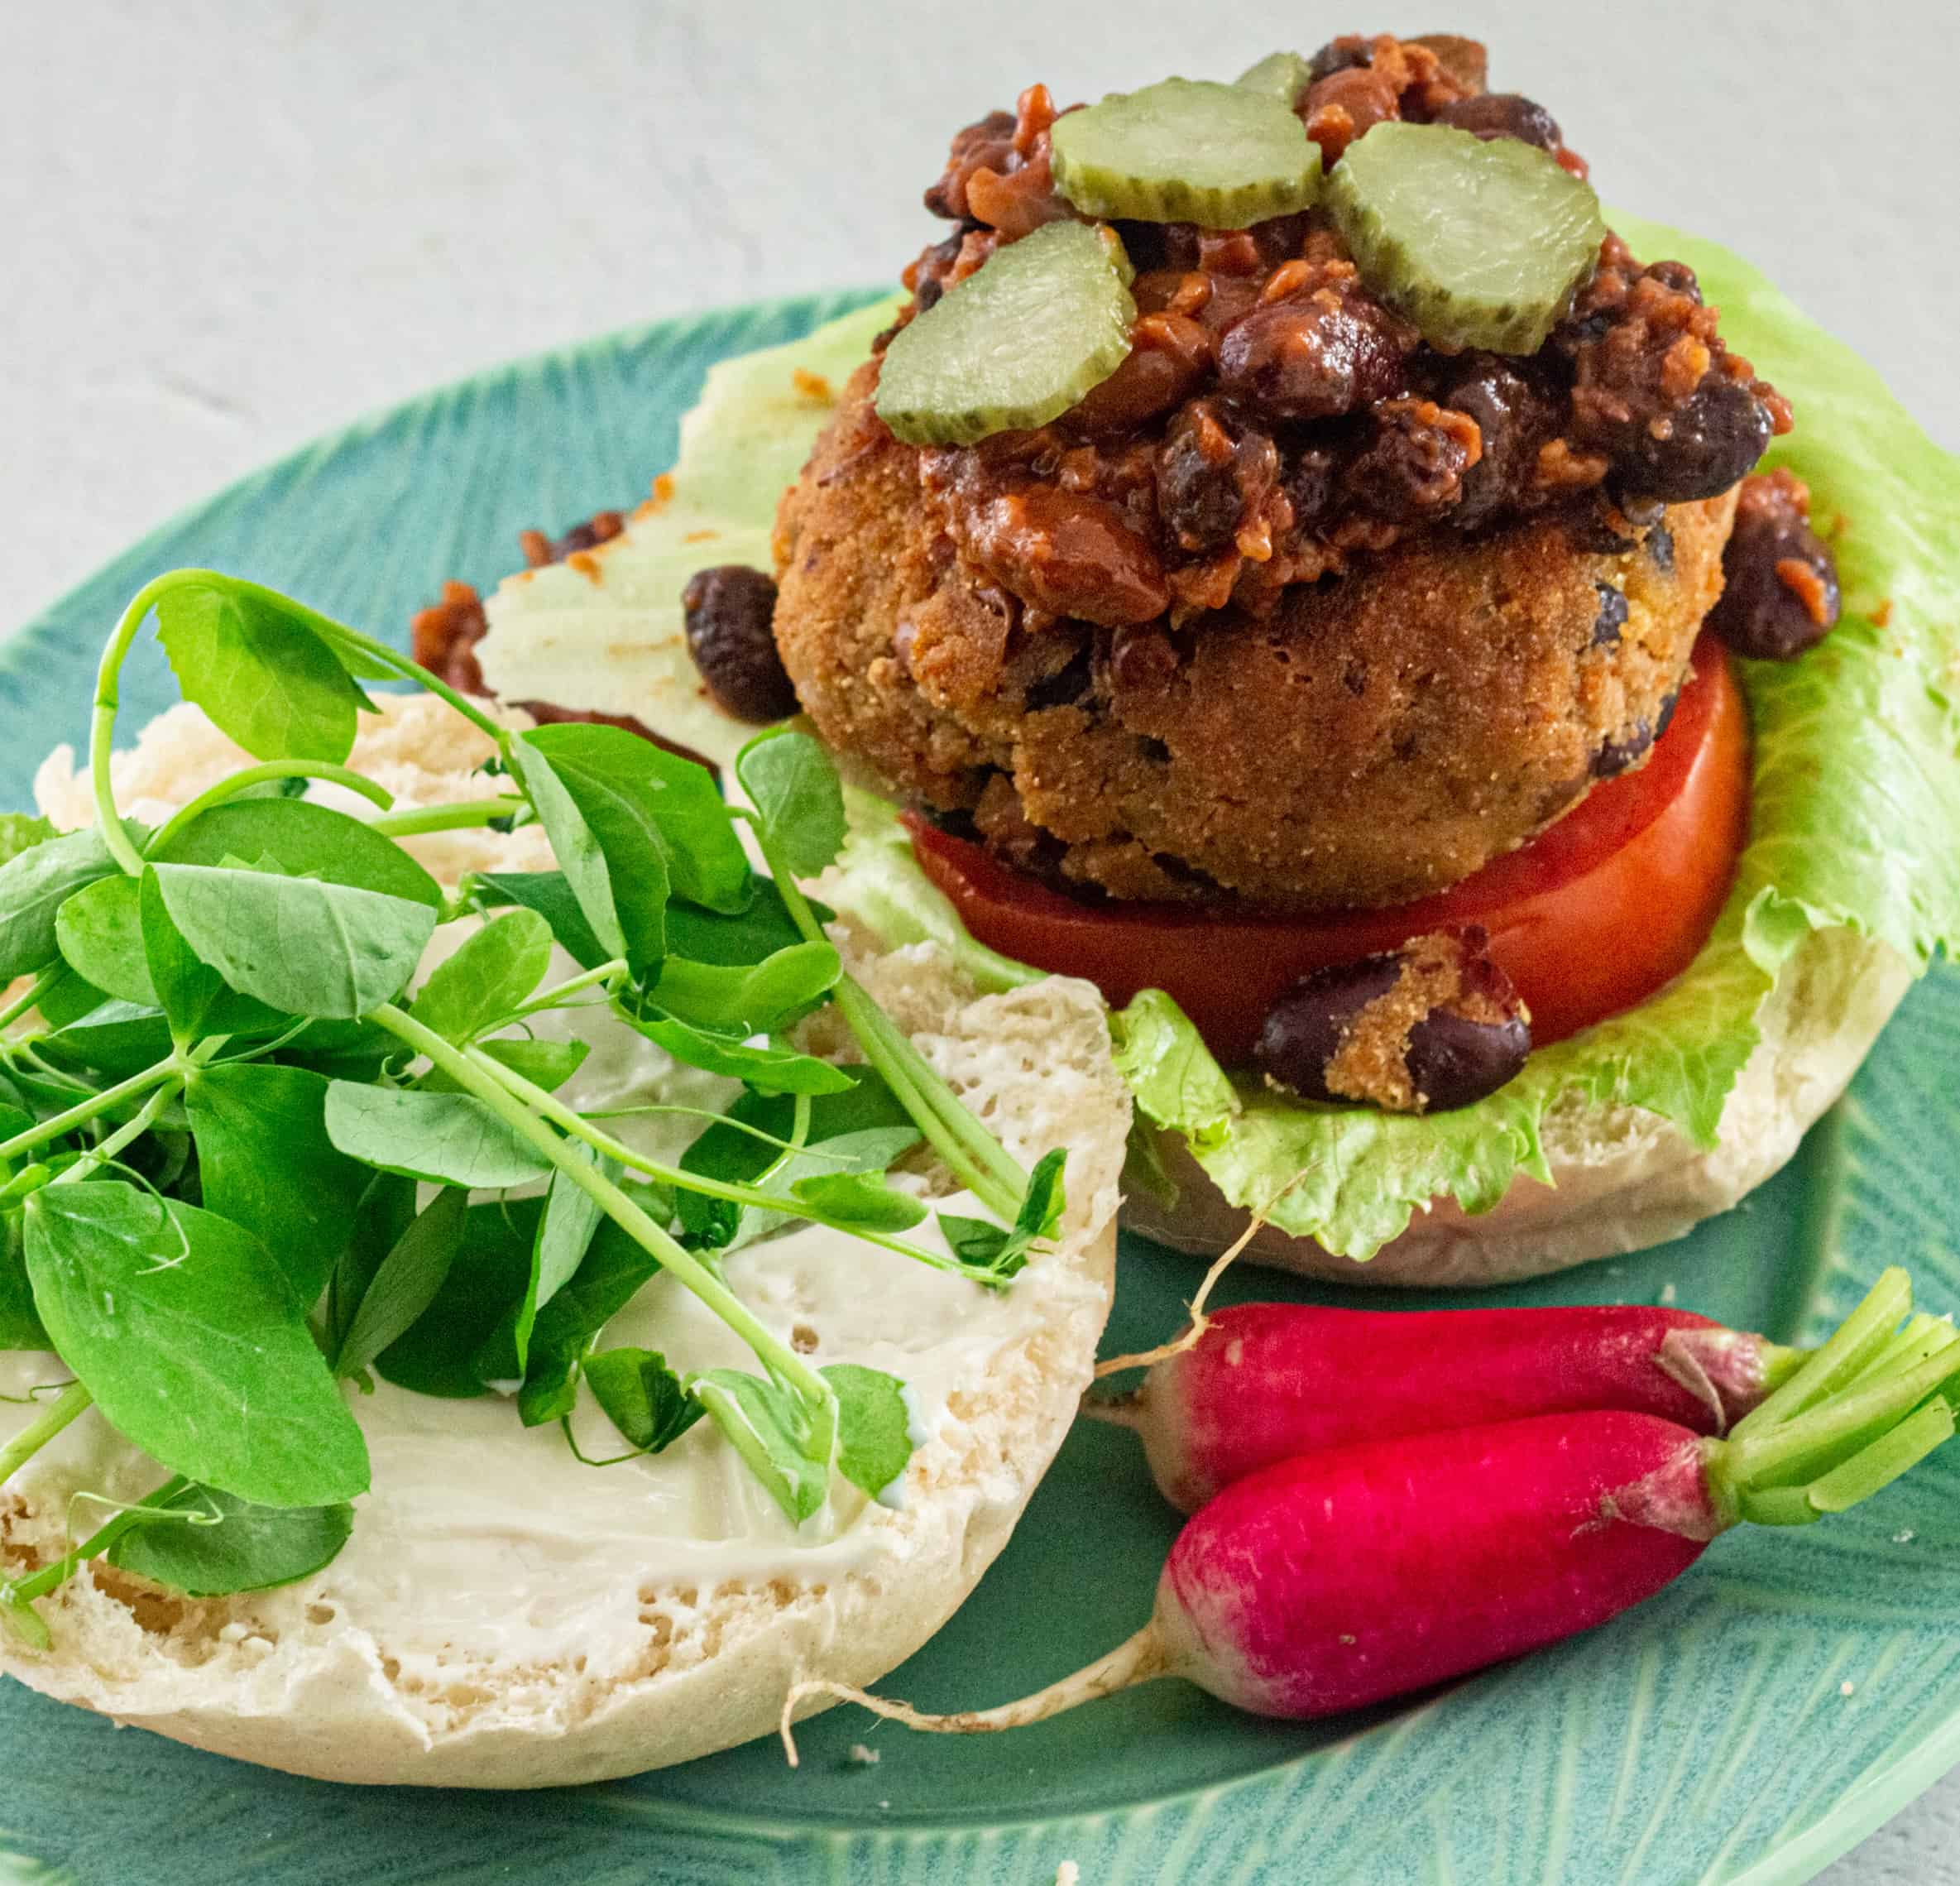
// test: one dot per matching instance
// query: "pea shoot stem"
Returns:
(475, 1076)
(38, 1584)
(554, 997)
(82, 1112)
(579, 1127)
(32, 993)
(64, 1408)
(973, 1155)
(102, 728)
(261, 774)
(458, 816)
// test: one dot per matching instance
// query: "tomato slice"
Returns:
(1588, 918)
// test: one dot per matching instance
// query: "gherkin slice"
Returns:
(1187, 150)
(1038, 326)
(1281, 75)
(1479, 243)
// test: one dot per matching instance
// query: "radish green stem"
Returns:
(1863, 1333)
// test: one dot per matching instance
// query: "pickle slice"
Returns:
(1187, 150)
(1038, 325)
(1281, 75)
(1480, 244)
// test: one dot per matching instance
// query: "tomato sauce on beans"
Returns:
(1275, 422)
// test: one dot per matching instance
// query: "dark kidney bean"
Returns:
(1616, 756)
(1310, 357)
(1340, 54)
(1169, 355)
(1612, 618)
(1412, 467)
(1503, 114)
(1713, 440)
(1308, 483)
(1513, 419)
(1304, 1029)
(1070, 553)
(1778, 583)
(728, 611)
(1448, 1027)
(1465, 59)
(1454, 1060)
(1676, 275)
(1213, 471)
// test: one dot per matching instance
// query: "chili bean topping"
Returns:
(1779, 583)
(1275, 423)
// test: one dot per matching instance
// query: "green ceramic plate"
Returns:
(1748, 1726)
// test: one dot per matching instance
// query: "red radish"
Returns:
(1344, 1577)
(1266, 1381)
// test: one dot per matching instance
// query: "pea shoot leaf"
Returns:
(861, 1199)
(20, 1324)
(302, 840)
(116, 1037)
(447, 1139)
(259, 671)
(642, 1397)
(1005, 1251)
(550, 894)
(792, 784)
(781, 989)
(267, 1164)
(406, 1282)
(766, 1426)
(874, 1426)
(99, 932)
(303, 945)
(492, 972)
(565, 1230)
(613, 1270)
(207, 1545)
(492, 1269)
(587, 870)
(193, 995)
(768, 1067)
(21, 832)
(386, 1211)
(192, 1342)
(634, 794)
(724, 1151)
(744, 937)
(35, 884)
(546, 1064)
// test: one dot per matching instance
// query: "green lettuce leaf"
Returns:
(1855, 825)
(1856, 813)
(608, 633)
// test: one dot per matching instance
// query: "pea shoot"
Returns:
(244, 1170)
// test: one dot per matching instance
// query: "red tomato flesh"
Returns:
(1587, 918)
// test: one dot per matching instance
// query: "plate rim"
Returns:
(1887, 1786)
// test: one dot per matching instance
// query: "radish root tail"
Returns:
(1195, 1328)
(1120, 1411)
(1136, 1660)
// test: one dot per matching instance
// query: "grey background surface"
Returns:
(226, 226)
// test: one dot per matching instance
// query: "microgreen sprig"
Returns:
(224, 1004)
